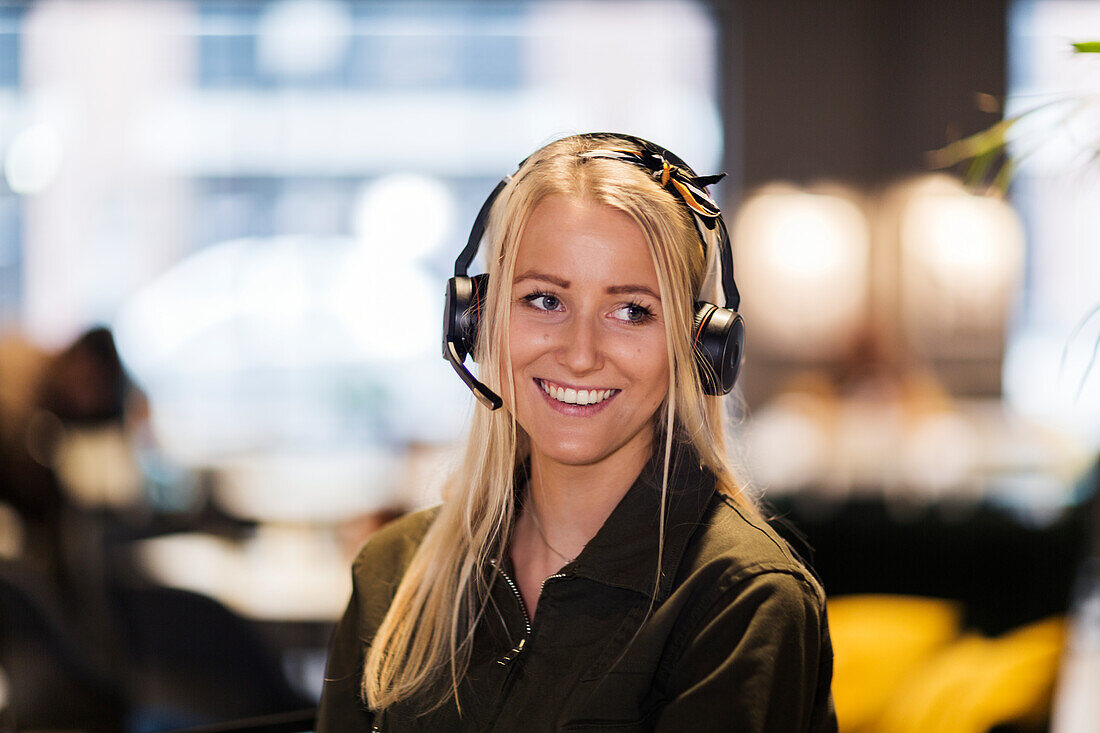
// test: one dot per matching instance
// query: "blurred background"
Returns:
(225, 227)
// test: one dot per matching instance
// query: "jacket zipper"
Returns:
(508, 659)
(518, 648)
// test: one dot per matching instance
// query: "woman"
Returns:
(594, 564)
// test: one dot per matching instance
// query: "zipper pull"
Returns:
(514, 652)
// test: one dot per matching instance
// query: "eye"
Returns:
(543, 301)
(634, 313)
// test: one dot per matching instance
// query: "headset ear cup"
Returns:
(465, 300)
(718, 337)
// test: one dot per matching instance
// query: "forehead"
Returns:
(581, 240)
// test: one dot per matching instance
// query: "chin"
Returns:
(577, 451)
(568, 453)
(576, 457)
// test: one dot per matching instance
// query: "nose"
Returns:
(581, 347)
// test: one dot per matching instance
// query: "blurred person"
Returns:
(72, 468)
(86, 392)
(62, 421)
(595, 563)
(88, 395)
(52, 640)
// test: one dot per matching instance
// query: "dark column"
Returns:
(855, 90)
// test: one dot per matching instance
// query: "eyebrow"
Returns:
(628, 289)
(535, 275)
(564, 284)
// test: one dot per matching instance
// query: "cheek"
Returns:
(527, 344)
(658, 371)
(658, 381)
(651, 357)
(523, 344)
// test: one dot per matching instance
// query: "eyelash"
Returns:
(530, 299)
(646, 313)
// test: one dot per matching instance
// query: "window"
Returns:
(1056, 190)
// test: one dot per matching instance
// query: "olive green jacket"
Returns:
(736, 640)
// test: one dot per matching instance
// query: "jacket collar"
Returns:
(623, 553)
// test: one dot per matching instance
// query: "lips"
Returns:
(576, 396)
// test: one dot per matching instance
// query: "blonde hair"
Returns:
(422, 647)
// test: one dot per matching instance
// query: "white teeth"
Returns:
(575, 396)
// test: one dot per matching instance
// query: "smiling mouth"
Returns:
(571, 396)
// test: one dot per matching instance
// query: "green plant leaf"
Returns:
(1004, 176)
(1087, 47)
(981, 144)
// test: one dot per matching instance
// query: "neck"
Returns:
(572, 502)
(565, 506)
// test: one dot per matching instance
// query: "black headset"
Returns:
(718, 334)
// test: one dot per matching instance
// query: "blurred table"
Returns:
(284, 573)
(291, 583)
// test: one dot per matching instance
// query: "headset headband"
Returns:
(669, 171)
